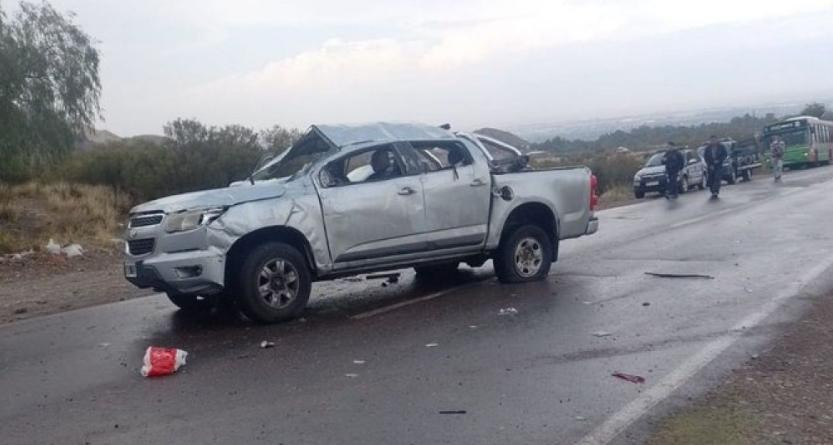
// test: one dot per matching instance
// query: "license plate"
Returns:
(652, 183)
(130, 270)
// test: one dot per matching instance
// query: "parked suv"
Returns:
(652, 177)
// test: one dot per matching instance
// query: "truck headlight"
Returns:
(192, 219)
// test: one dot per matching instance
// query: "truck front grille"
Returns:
(145, 220)
(140, 246)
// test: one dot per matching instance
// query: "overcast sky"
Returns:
(470, 63)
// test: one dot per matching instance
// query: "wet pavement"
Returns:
(357, 368)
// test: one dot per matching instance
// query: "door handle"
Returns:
(477, 182)
(406, 191)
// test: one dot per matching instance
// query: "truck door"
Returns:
(372, 204)
(457, 194)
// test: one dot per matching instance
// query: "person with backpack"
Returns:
(714, 156)
(776, 151)
(674, 163)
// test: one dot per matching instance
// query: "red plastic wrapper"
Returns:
(162, 361)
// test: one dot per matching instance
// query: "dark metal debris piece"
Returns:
(391, 277)
(679, 275)
(629, 377)
(457, 411)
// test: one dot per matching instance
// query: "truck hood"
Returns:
(227, 196)
(658, 169)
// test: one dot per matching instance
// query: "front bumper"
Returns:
(191, 272)
(651, 184)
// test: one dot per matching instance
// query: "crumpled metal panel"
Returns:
(342, 135)
(298, 208)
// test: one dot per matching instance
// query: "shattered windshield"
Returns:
(295, 161)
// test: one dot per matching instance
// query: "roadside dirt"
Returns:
(41, 283)
(784, 396)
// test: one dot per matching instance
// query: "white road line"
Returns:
(395, 306)
(618, 422)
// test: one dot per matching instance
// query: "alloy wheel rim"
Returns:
(529, 257)
(278, 283)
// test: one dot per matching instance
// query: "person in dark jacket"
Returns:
(673, 161)
(715, 155)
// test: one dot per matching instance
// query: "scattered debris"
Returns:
(391, 277)
(679, 275)
(72, 250)
(454, 411)
(432, 345)
(352, 279)
(646, 304)
(629, 377)
(358, 362)
(587, 302)
(602, 334)
(755, 356)
(53, 247)
(162, 361)
(103, 345)
(581, 418)
(508, 311)
(472, 326)
(351, 375)
(21, 310)
(267, 344)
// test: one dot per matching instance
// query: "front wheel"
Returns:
(638, 194)
(684, 185)
(525, 254)
(274, 283)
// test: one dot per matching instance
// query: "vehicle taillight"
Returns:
(594, 197)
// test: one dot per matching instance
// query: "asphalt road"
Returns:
(357, 368)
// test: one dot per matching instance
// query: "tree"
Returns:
(814, 109)
(277, 139)
(49, 87)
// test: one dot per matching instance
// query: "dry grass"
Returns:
(32, 213)
(616, 196)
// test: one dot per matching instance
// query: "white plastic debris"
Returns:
(162, 361)
(472, 326)
(508, 311)
(432, 345)
(351, 375)
(53, 247)
(358, 362)
(602, 334)
(73, 250)
(267, 344)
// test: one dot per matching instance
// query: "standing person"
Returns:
(776, 150)
(715, 155)
(673, 161)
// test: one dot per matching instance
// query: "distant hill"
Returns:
(505, 136)
(102, 137)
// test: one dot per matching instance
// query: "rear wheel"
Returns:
(684, 184)
(274, 283)
(525, 254)
(638, 194)
(703, 182)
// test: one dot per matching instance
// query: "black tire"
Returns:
(508, 269)
(703, 182)
(442, 269)
(733, 178)
(684, 186)
(191, 304)
(250, 278)
(638, 194)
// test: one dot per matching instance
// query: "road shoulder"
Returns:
(782, 396)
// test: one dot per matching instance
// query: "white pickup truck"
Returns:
(345, 200)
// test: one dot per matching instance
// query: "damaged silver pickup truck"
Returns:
(345, 200)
